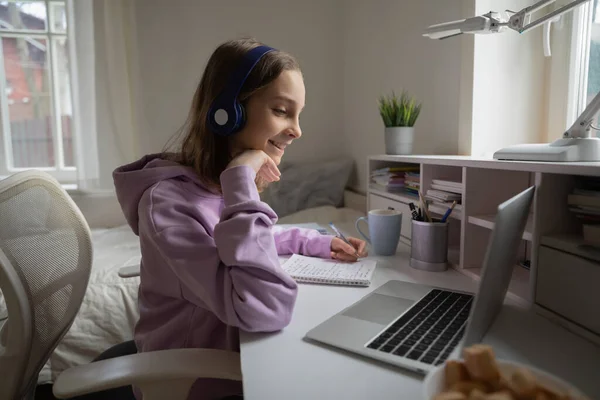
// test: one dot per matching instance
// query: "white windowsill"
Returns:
(70, 187)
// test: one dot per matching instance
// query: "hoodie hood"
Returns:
(132, 180)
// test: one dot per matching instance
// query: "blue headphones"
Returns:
(226, 115)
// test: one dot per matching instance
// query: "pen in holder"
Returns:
(429, 245)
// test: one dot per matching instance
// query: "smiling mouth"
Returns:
(280, 146)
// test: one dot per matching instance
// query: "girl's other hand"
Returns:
(260, 162)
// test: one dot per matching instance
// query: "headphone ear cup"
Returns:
(241, 114)
(226, 115)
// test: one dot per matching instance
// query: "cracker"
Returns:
(522, 383)
(455, 371)
(503, 395)
(477, 394)
(540, 395)
(481, 363)
(467, 387)
(450, 396)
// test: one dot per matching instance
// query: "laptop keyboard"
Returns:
(430, 330)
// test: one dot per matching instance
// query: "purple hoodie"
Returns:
(209, 262)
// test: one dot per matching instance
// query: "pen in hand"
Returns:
(341, 236)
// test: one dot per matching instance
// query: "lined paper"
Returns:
(318, 270)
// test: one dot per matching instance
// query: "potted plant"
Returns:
(399, 115)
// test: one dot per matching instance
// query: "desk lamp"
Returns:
(577, 143)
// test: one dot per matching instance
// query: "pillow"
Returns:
(307, 185)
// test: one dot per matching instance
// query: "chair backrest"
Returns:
(45, 263)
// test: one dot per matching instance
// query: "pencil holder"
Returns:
(429, 246)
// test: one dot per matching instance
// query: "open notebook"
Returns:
(318, 270)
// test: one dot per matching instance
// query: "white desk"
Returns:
(283, 366)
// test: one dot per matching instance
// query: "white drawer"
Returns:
(568, 285)
(379, 202)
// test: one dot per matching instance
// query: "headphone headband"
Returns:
(226, 114)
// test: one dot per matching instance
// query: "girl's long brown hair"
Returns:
(208, 154)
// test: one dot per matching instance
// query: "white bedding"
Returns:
(109, 309)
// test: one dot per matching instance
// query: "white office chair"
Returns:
(45, 263)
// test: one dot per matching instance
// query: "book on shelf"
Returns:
(584, 192)
(442, 195)
(397, 180)
(583, 200)
(452, 184)
(387, 180)
(442, 203)
(445, 188)
(392, 170)
(401, 191)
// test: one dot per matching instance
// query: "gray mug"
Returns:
(384, 231)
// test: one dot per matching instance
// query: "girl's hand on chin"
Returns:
(260, 162)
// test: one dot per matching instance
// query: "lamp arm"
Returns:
(520, 21)
(581, 126)
(493, 22)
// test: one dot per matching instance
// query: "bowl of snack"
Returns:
(479, 376)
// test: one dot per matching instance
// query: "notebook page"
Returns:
(283, 259)
(310, 267)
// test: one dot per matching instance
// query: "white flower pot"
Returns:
(399, 140)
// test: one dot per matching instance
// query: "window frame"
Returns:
(64, 174)
(579, 61)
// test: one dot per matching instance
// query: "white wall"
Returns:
(508, 85)
(176, 38)
(351, 51)
(479, 93)
(384, 50)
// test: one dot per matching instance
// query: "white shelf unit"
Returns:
(487, 221)
(486, 184)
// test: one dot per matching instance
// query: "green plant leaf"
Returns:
(398, 110)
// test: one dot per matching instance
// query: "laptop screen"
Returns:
(498, 265)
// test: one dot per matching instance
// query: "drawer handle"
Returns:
(391, 208)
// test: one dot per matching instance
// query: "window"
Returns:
(35, 89)
(585, 62)
(593, 68)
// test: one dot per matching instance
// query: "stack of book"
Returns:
(396, 179)
(412, 182)
(445, 192)
(585, 204)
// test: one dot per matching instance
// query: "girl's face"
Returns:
(272, 117)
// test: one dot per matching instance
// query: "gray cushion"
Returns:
(307, 185)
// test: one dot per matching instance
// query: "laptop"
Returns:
(417, 326)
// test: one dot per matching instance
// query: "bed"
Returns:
(109, 309)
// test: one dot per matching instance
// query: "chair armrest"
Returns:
(129, 271)
(146, 369)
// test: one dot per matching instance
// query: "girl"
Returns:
(209, 245)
